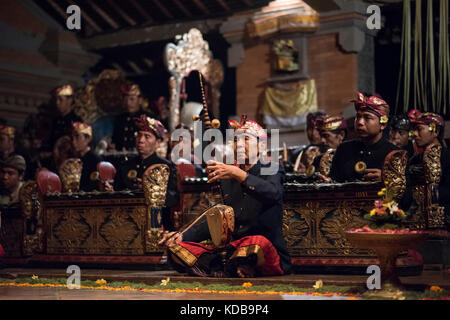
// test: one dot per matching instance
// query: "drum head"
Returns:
(220, 220)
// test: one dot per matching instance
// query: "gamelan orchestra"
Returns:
(215, 218)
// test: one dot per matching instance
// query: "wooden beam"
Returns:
(165, 32)
(163, 9)
(104, 15)
(224, 5)
(87, 18)
(182, 8)
(201, 6)
(121, 12)
(135, 67)
(248, 3)
(141, 10)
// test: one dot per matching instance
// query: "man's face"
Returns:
(132, 103)
(367, 124)
(5, 143)
(64, 104)
(330, 139)
(80, 142)
(246, 149)
(423, 136)
(313, 134)
(399, 137)
(10, 178)
(146, 143)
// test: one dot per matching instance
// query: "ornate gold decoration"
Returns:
(393, 173)
(360, 166)
(190, 53)
(71, 230)
(325, 162)
(294, 227)
(101, 96)
(119, 230)
(154, 183)
(70, 174)
(96, 227)
(33, 241)
(335, 228)
(278, 16)
(432, 163)
(436, 216)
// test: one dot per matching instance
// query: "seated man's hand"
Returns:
(218, 170)
(171, 239)
(323, 179)
(108, 186)
(372, 175)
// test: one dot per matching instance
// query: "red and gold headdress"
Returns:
(8, 131)
(131, 90)
(329, 123)
(144, 123)
(65, 90)
(373, 104)
(248, 127)
(80, 127)
(427, 118)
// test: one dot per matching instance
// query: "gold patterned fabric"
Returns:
(289, 107)
(246, 251)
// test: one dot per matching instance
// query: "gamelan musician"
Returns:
(257, 244)
(363, 158)
(150, 132)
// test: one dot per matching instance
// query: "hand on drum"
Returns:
(171, 239)
(218, 170)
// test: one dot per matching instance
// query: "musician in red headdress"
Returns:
(257, 244)
(428, 129)
(363, 158)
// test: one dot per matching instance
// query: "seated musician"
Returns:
(333, 130)
(257, 246)
(150, 133)
(11, 179)
(399, 134)
(124, 125)
(62, 125)
(81, 138)
(363, 158)
(429, 129)
(303, 155)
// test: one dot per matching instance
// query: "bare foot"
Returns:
(245, 271)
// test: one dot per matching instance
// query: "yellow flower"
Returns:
(401, 212)
(34, 277)
(318, 285)
(164, 282)
(373, 212)
(101, 281)
(436, 289)
(247, 284)
(382, 192)
(384, 119)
